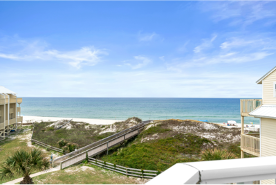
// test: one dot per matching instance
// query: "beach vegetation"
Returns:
(23, 163)
(164, 143)
(86, 174)
(158, 154)
(78, 134)
(50, 129)
(217, 154)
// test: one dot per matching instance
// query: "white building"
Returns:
(10, 111)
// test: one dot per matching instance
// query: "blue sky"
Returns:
(136, 49)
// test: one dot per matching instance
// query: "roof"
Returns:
(267, 74)
(265, 111)
(5, 90)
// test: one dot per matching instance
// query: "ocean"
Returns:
(217, 110)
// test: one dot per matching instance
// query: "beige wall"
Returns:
(268, 141)
(268, 89)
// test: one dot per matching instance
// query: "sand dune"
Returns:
(90, 121)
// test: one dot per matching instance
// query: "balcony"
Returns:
(18, 109)
(250, 143)
(12, 100)
(12, 121)
(248, 105)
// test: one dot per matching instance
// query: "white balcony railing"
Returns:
(250, 144)
(219, 172)
(12, 121)
(248, 105)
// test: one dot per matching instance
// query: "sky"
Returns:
(137, 49)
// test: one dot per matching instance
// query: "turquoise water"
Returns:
(217, 110)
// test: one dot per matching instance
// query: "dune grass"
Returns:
(85, 174)
(78, 135)
(158, 154)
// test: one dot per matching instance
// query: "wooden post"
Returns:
(242, 132)
(107, 149)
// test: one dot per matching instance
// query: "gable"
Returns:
(266, 75)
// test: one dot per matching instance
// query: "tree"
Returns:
(24, 163)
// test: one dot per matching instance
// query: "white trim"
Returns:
(274, 89)
(267, 74)
(16, 112)
(260, 116)
(260, 131)
(220, 171)
(8, 110)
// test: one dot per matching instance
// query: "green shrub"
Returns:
(61, 143)
(50, 129)
(159, 154)
(48, 149)
(65, 149)
(72, 146)
(33, 143)
(217, 154)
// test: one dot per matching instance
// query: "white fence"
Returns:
(149, 174)
(250, 144)
(46, 146)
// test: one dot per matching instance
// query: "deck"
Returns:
(248, 105)
(250, 143)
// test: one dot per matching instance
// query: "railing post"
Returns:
(242, 138)
(241, 106)
(107, 149)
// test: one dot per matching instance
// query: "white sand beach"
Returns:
(27, 119)
(238, 125)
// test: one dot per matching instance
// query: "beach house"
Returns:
(261, 144)
(10, 111)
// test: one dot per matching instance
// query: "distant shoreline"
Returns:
(90, 121)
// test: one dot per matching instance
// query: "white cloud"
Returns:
(242, 13)
(162, 58)
(138, 62)
(133, 84)
(234, 50)
(205, 44)
(183, 48)
(147, 36)
(31, 51)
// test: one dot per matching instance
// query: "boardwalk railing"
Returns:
(43, 144)
(46, 146)
(99, 146)
(149, 174)
(248, 105)
(250, 144)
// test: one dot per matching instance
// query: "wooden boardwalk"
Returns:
(99, 146)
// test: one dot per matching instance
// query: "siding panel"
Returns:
(268, 94)
(268, 142)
